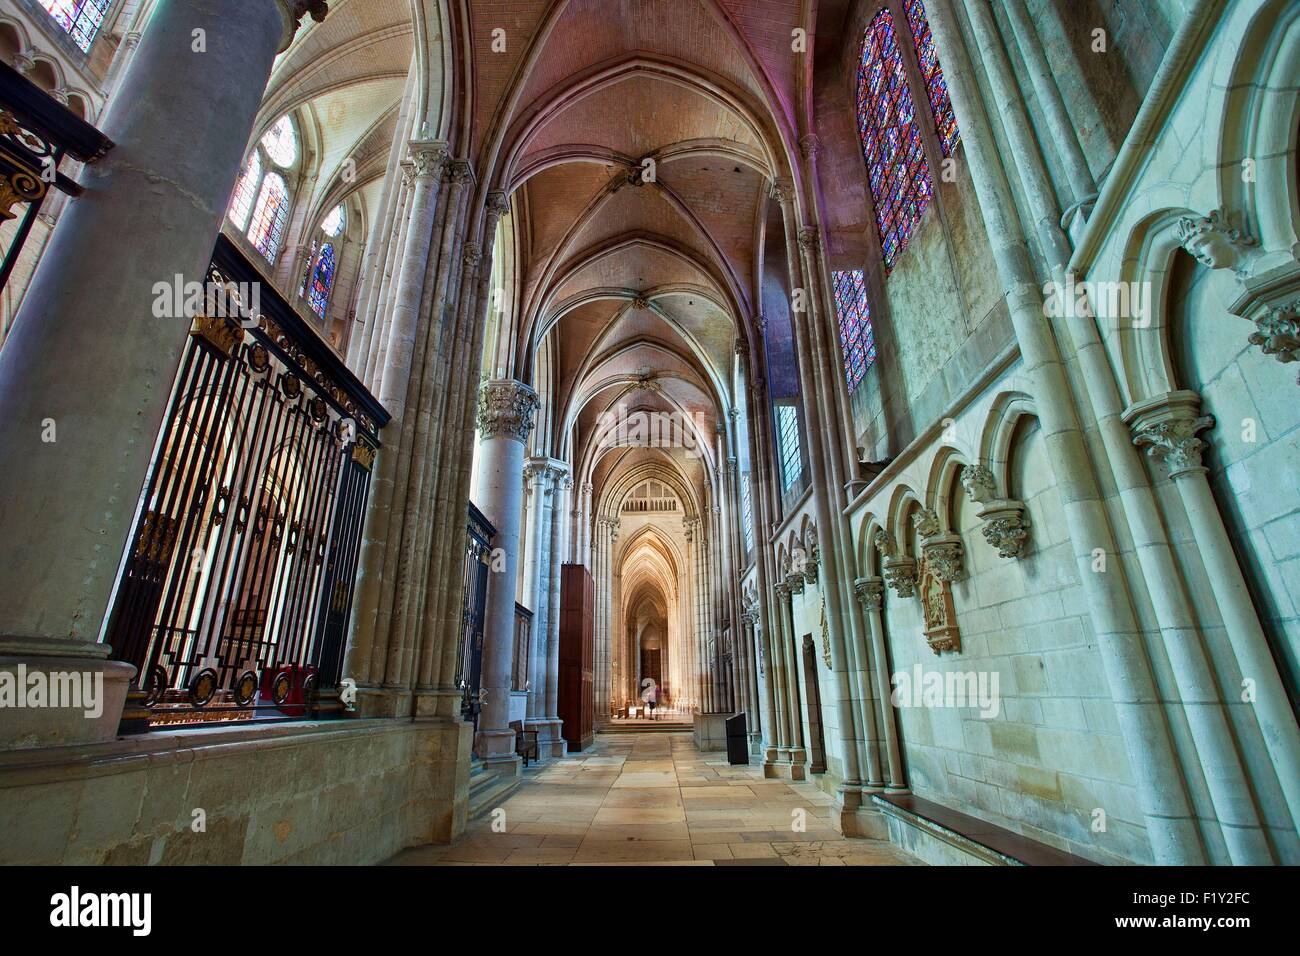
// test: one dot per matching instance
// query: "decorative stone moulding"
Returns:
(1214, 242)
(1006, 526)
(1006, 522)
(900, 575)
(794, 583)
(1166, 426)
(1278, 333)
(943, 554)
(979, 483)
(506, 408)
(938, 614)
(926, 522)
(870, 592)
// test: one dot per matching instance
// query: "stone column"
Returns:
(506, 412)
(871, 593)
(546, 594)
(373, 645)
(1167, 428)
(87, 370)
(794, 583)
(555, 739)
(537, 477)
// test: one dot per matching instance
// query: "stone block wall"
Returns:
(352, 792)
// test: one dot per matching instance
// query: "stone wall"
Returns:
(352, 792)
(1051, 754)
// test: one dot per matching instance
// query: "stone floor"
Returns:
(653, 799)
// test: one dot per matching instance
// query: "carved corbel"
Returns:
(1215, 243)
(1006, 527)
(1006, 522)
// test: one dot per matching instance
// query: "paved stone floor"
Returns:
(653, 799)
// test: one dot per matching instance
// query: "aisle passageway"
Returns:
(653, 798)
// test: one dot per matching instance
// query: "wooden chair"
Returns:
(525, 741)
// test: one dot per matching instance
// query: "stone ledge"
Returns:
(979, 840)
(53, 764)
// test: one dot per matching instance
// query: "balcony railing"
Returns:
(36, 133)
(235, 592)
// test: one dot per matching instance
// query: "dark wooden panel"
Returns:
(577, 656)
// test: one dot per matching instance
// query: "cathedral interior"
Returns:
(710, 432)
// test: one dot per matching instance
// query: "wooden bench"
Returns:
(1004, 846)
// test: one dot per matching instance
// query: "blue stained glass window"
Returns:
(81, 19)
(787, 439)
(897, 170)
(945, 119)
(857, 341)
(322, 280)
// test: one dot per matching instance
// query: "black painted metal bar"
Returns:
(234, 596)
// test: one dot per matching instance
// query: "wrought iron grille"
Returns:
(469, 661)
(235, 592)
(36, 133)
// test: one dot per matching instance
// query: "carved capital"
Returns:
(472, 255)
(783, 191)
(810, 145)
(1174, 442)
(498, 203)
(870, 592)
(506, 409)
(292, 12)
(427, 158)
(794, 583)
(900, 575)
(809, 239)
(979, 483)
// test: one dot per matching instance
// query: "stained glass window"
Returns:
(334, 222)
(270, 216)
(242, 203)
(305, 282)
(747, 511)
(787, 438)
(280, 142)
(857, 341)
(945, 119)
(897, 170)
(79, 18)
(322, 281)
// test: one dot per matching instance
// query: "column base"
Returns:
(862, 822)
(436, 702)
(59, 693)
(496, 747)
(550, 743)
(783, 769)
(376, 700)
